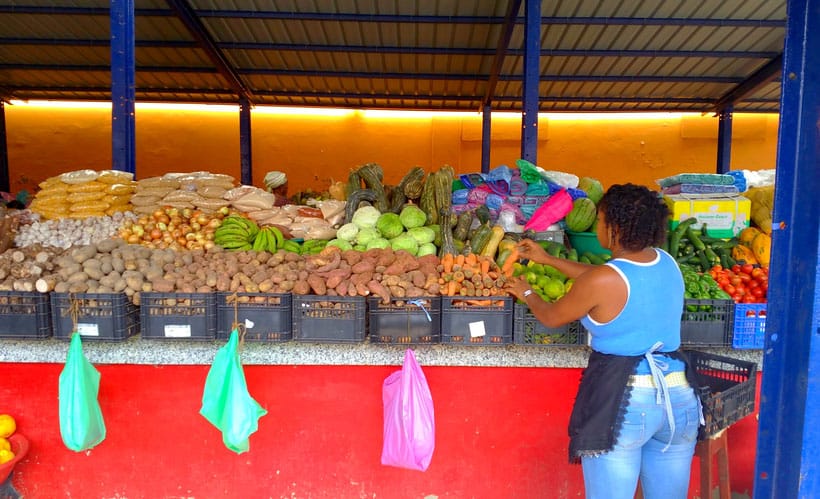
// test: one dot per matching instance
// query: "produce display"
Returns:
(7, 428)
(436, 234)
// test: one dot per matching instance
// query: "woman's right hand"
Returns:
(531, 250)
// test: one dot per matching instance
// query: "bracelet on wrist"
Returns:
(526, 293)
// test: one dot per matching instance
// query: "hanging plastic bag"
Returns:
(409, 421)
(553, 210)
(81, 421)
(226, 402)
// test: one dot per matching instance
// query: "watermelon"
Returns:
(593, 188)
(582, 215)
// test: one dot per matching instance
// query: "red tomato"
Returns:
(748, 299)
(745, 277)
(758, 293)
(716, 268)
(723, 281)
(747, 268)
(753, 284)
(757, 272)
(735, 268)
(764, 285)
(730, 290)
(735, 280)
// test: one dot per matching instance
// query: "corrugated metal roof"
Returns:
(595, 54)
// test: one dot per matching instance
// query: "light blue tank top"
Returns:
(652, 311)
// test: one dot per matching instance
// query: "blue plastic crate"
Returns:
(749, 326)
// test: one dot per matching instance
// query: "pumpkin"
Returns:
(743, 253)
(761, 247)
(748, 235)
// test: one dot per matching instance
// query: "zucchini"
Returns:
(481, 238)
(593, 258)
(677, 234)
(497, 234)
(462, 228)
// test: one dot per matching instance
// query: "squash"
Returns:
(762, 247)
(741, 252)
(748, 235)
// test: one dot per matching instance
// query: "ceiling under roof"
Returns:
(596, 55)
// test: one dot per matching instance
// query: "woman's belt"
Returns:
(677, 378)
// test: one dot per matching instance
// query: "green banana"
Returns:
(260, 242)
(277, 235)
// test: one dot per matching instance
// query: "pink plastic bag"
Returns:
(553, 210)
(409, 422)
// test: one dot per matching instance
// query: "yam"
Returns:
(317, 284)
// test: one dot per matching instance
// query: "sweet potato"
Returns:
(363, 266)
(335, 277)
(379, 290)
(301, 287)
(352, 257)
(317, 284)
(342, 288)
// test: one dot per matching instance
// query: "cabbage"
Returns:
(340, 243)
(366, 216)
(360, 247)
(427, 249)
(422, 234)
(347, 232)
(378, 242)
(405, 242)
(366, 235)
(389, 225)
(412, 216)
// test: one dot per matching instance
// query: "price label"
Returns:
(177, 331)
(88, 329)
(477, 329)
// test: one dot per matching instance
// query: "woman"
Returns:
(636, 413)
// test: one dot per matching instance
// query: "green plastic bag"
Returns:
(226, 402)
(81, 421)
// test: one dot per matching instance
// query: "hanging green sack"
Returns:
(226, 402)
(81, 421)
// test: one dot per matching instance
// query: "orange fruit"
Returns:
(4, 444)
(6, 456)
(7, 425)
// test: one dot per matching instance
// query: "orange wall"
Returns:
(315, 149)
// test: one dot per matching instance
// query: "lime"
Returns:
(554, 289)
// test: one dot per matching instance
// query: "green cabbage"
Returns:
(405, 242)
(366, 235)
(422, 234)
(427, 249)
(340, 243)
(366, 216)
(360, 247)
(412, 216)
(389, 225)
(379, 242)
(347, 232)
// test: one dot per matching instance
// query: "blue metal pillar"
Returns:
(486, 137)
(788, 442)
(123, 129)
(724, 145)
(5, 184)
(245, 159)
(532, 73)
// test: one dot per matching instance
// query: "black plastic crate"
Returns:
(728, 387)
(413, 321)
(99, 316)
(527, 330)
(25, 315)
(267, 314)
(329, 319)
(707, 323)
(464, 323)
(187, 316)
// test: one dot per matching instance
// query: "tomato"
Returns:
(745, 277)
(730, 290)
(716, 268)
(735, 280)
(764, 285)
(753, 284)
(723, 281)
(747, 268)
(758, 272)
(758, 293)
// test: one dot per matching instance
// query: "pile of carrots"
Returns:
(474, 275)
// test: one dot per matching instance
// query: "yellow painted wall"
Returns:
(315, 149)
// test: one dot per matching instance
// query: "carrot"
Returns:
(447, 262)
(471, 260)
(478, 303)
(507, 268)
(458, 276)
(451, 288)
(485, 266)
(460, 260)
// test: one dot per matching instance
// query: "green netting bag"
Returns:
(529, 172)
(81, 421)
(226, 402)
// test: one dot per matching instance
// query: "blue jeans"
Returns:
(639, 449)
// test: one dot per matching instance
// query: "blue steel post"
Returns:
(532, 74)
(486, 137)
(123, 129)
(4, 151)
(788, 440)
(724, 145)
(245, 159)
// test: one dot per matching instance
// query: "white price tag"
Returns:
(88, 329)
(177, 331)
(477, 329)
(249, 324)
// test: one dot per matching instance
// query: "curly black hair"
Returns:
(638, 215)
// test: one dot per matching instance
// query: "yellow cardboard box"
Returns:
(723, 216)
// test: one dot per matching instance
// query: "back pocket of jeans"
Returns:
(632, 433)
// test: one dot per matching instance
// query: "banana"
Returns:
(292, 246)
(278, 236)
(260, 242)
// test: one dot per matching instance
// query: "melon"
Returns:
(593, 188)
(582, 215)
